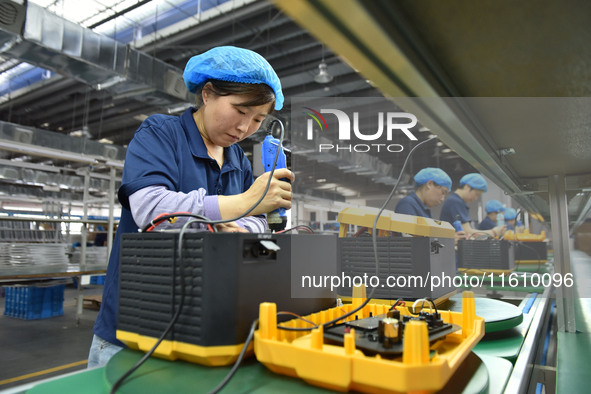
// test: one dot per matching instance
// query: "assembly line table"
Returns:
(479, 373)
(476, 375)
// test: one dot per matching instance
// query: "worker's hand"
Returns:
(459, 235)
(230, 227)
(499, 230)
(278, 195)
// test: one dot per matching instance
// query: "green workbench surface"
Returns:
(498, 315)
(161, 376)
(572, 362)
(540, 268)
(583, 314)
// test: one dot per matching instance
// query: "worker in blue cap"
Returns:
(192, 163)
(512, 222)
(492, 208)
(432, 185)
(455, 207)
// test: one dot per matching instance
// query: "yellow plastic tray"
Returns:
(481, 271)
(530, 262)
(390, 221)
(342, 368)
(525, 236)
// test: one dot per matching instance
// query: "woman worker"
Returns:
(191, 163)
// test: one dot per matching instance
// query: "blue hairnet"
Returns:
(494, 206)
(510, 213)
(232, 64)
(475, 181)
(436, 175)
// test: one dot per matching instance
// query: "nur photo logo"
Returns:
(389, 126)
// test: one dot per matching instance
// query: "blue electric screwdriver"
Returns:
(277, 219)
(458, 224)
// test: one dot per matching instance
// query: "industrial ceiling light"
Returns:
(323, 75)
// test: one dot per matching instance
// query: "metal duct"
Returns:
(51, 141)
(31, 34)
(29, 177)
(24, 193)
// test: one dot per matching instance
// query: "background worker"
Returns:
(455, 206)
(493, 207)
(511, 221)
(432, 185)
(191, 163)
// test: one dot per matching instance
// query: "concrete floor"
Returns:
(35, 346)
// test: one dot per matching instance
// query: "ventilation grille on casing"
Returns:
(395, 257)
(8, 14)
(150, 292)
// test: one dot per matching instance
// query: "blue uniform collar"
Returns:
(197, 146)
(421, 204)
(459, 198)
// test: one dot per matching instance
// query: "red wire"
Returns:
(155, 222)
(360, 231)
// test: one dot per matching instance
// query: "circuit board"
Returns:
(383, 334)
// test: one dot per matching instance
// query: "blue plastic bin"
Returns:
(31, 302)
(97, 280)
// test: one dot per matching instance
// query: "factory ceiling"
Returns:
(397, 49)
(56, 79)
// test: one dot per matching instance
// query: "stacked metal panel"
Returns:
(94, 255)
(24, 255)
(25, 231)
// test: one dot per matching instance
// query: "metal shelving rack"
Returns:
(87, 168)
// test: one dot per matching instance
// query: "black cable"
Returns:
(232, 372)
(432, 303)
(161, 218)
(374, 234)
(375, 248)
(204, 220)
(375, 223)
(536, 252)
(174, 319)
(299, 227)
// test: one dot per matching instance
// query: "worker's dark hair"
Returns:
(255, 93)
(423, 186)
